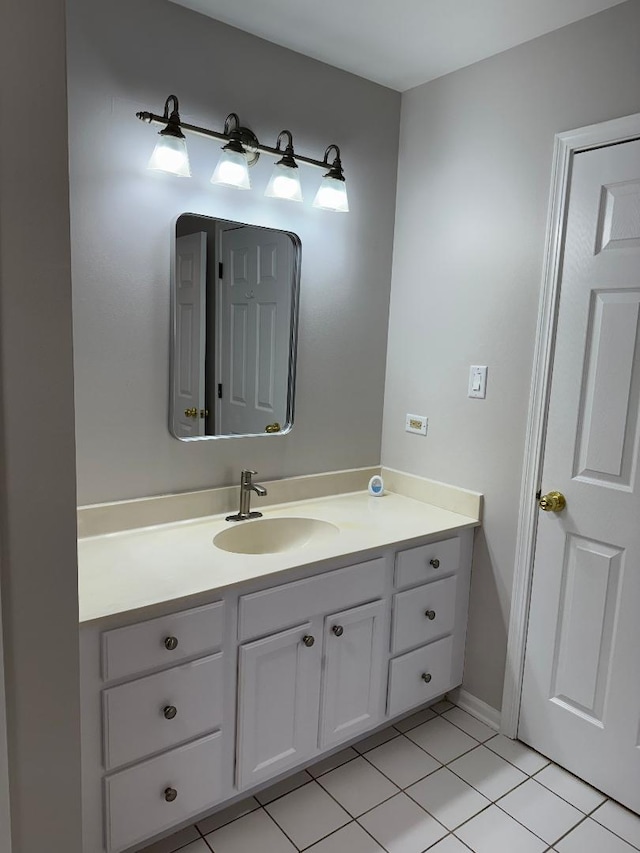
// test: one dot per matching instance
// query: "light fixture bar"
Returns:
(154, 118)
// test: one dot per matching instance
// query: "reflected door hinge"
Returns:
(220, 269)
(219, 390)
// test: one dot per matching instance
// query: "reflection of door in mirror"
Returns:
(188, 375)
(253, 328)
(234, 308)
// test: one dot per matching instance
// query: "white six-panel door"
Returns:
(581, 691)
(254, 323)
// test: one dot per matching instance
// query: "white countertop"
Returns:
(149, 566)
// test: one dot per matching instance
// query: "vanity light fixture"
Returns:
(170, 154)
(240, 151)
(332, 193)
(233, 166)
(285, 181)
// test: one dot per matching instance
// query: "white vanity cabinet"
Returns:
(317, 683)
(189, 710)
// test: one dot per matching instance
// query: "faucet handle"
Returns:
(248, 474)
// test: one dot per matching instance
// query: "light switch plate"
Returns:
(417, 424)
(478, 381)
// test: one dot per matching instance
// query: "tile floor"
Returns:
(440, 781)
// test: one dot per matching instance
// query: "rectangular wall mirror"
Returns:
(234, 302)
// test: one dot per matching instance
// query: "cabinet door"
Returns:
(278, 701)
(352, 693)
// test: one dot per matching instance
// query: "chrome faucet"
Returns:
(246, 487)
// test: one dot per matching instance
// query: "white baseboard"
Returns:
(476, 707)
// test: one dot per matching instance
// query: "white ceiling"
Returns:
(403, 43)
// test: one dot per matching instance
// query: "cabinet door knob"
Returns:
(170, 794)
(435, 563)
(430, 614)
(308, 640)
(171, 643)
(338, 630)
(170, 712)
(426, 677)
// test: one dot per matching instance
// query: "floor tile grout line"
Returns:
(286, 834)
(588, 813)
(608, 828)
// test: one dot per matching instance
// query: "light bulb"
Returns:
(170, 155)
(284, 183)
(332, 195)
(232, 171)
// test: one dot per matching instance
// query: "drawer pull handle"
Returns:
(338, 630)
(170, 794)
(435, 563)
(170, 712)
(430, 614)
(426, 677)
(171, 643)
(308, 640)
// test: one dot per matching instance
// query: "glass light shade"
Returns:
(332, 195)
(170, 155)
(284, 183)
(232, 171)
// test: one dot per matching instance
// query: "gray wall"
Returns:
(125, 57)
(473, 185)
(38, 571)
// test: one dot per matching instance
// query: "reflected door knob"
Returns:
(553, 502)
(274, 427)
(191, 413)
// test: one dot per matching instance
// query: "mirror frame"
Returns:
(293, 333)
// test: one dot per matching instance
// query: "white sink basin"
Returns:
(273, 535)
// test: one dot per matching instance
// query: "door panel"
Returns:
(581, 690)
(278, 701)
(352, 698)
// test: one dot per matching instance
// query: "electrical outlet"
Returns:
(417, 424)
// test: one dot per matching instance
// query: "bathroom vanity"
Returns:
(207, 673)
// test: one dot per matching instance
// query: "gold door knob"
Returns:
(274, 427)
(553, 502)
(191, 413)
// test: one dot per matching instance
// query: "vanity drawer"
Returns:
(407, 685)
(428, 562)
(138, 717)
(283, 606)
(424, 613)
(149, 645)
(136, 805)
